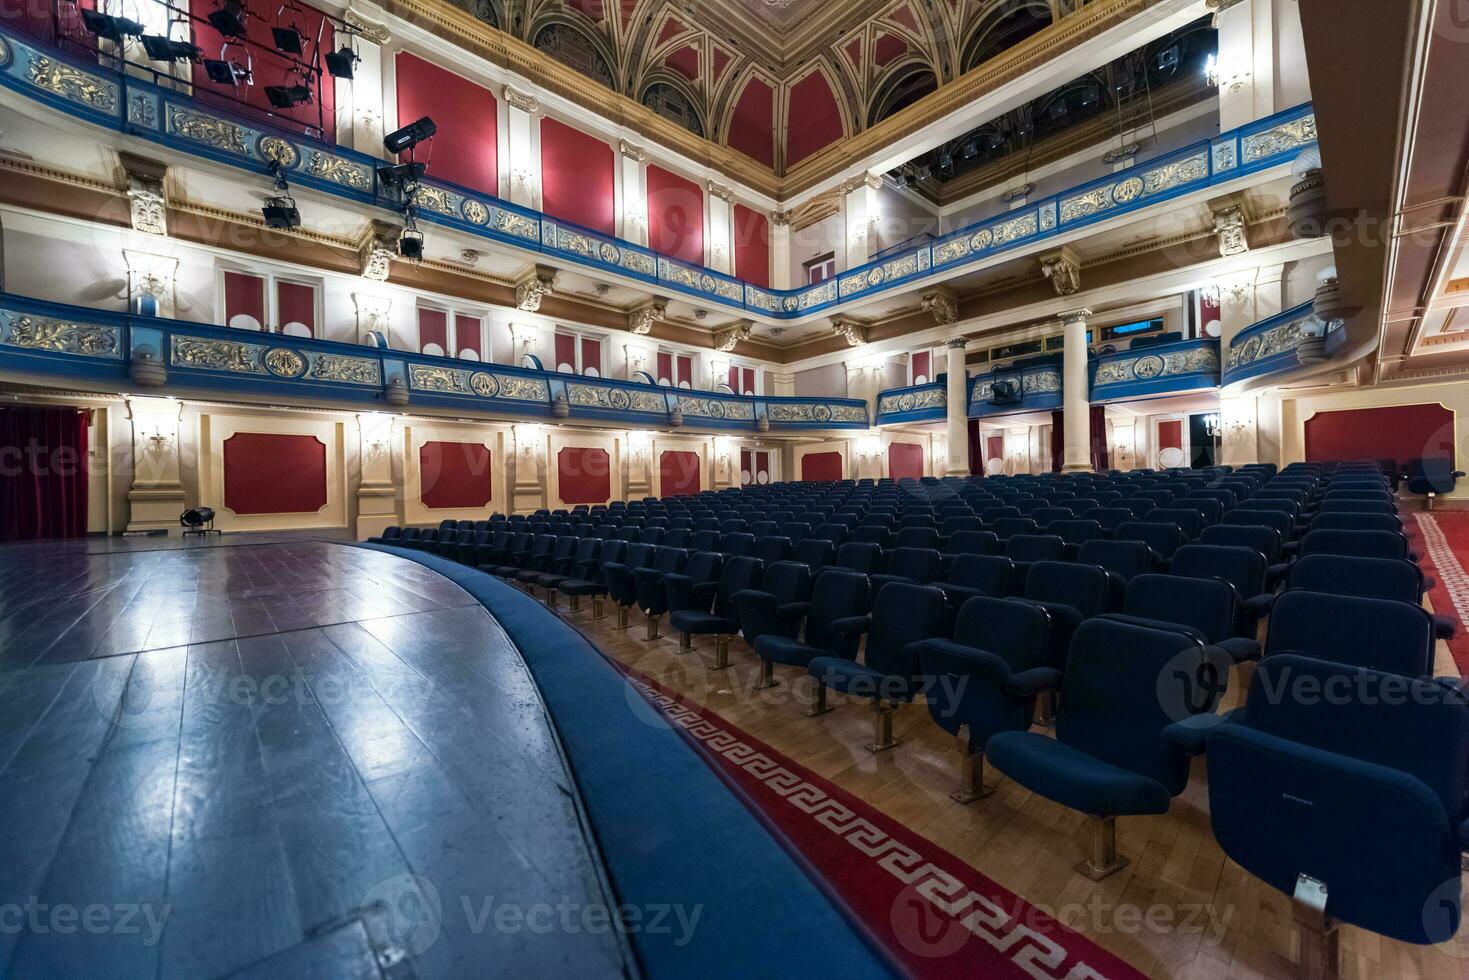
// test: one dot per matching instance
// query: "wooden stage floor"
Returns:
(275, 757)
(1179, 909)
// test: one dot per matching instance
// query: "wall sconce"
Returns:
(157, 442)
(1211, 425)
(941, 448)
(522, 176)
(869, 448)
(1228, 74)
(724, 449)
(639, 443)
(528, 439)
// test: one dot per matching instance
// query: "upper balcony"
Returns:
(112, 352)
(172, 119)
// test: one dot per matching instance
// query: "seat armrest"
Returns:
(852, 625)
(1277, 572)
(793, 610)
(1029, 683)
(1238, 649)
(587, 563)
(1191, 736)
(677, 580)
(750, 595)
(705, 588)
(992, 665)
(1260, 604)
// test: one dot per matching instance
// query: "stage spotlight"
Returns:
(281, 212)
(162, 48)
(340, 63)
(109, 27)
(410, 244)
(400, 175)
(410, 136)
(287, 96)
(198, 520)
(287, 40)
(229, 18)
(226, 72)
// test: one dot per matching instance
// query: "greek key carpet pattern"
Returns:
(935, 901)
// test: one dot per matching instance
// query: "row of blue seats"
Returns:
(1350, 611)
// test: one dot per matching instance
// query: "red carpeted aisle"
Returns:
(935, 914)
(1441, 540)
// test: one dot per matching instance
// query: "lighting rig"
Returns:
(401, 179)
(280, 211)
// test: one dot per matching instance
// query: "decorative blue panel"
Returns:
(917, 403)
(1272, 346)
(1187, 365)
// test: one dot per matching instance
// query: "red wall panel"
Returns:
(1399, 433)
(813, 119)
(466, 147)
(268, 473)
(433, 328)
(821, 466)
(295, 306)
(675, 216)
(244, 297)
(577, 177)
(752, 124)
(905, 459)
(1170, 435)
(585, 475)
(752, 246)
(678, 473)
(467, 331)
(454, 474)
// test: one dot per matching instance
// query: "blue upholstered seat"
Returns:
(837, 596)
(902, 615)
(777, 605)
(973, 543)
(914, 566)
(1071, 594)
(771, 548)
(1364, 795)
(702, 610)
(1380, 634)
(1108, 757)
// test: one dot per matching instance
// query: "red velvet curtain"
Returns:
(976, 449)
(1058, 438)
(43, 473)
(1097, 429)
(1101, 462)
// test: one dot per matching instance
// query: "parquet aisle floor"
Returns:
(1179, 909)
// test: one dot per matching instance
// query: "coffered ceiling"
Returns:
(775, 80)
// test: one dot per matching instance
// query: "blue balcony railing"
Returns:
(139, 108)
(86, 347)
(916, 403)
(1184, 365)
(1036, 388)
(1275, 345)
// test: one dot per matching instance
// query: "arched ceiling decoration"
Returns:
(827, 68)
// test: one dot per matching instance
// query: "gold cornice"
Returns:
(457, 26)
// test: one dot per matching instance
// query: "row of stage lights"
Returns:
(231, 19)
(401, 179)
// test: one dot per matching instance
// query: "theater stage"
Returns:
(277, 757)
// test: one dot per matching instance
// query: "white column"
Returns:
(719, 242)
(523, 144)
(1076, 395)
(781, 385)
(958, 417)
(377, 494)
(860, 200)
(359, 100)
(632, 211)
(372, 315)
(780, 253)
(529, 486)
(1247, 63)
(156, 497)
(639, 358)
(864, 381)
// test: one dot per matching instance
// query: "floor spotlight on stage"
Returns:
(200, 521)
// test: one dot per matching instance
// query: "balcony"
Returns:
(112, 352)
(1145, 372)
(172, 119)
(1289, 340)
(1035, 388)
(916, 403)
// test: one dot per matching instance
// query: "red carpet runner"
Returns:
(934, 914)
(1441, 540)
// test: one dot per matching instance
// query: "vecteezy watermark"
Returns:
(925, 929)
(412, 916)
(96, 919)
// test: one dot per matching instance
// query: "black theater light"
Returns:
(280, 211)
(109, 27)
(287, 96)
(410, 244)
(340, 63)
(229, 18)
(198, 520)
(160, 48)
(226, 72)
(402, 140)
(400, 175)
(287, 40)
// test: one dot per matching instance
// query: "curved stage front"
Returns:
(293, 757)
